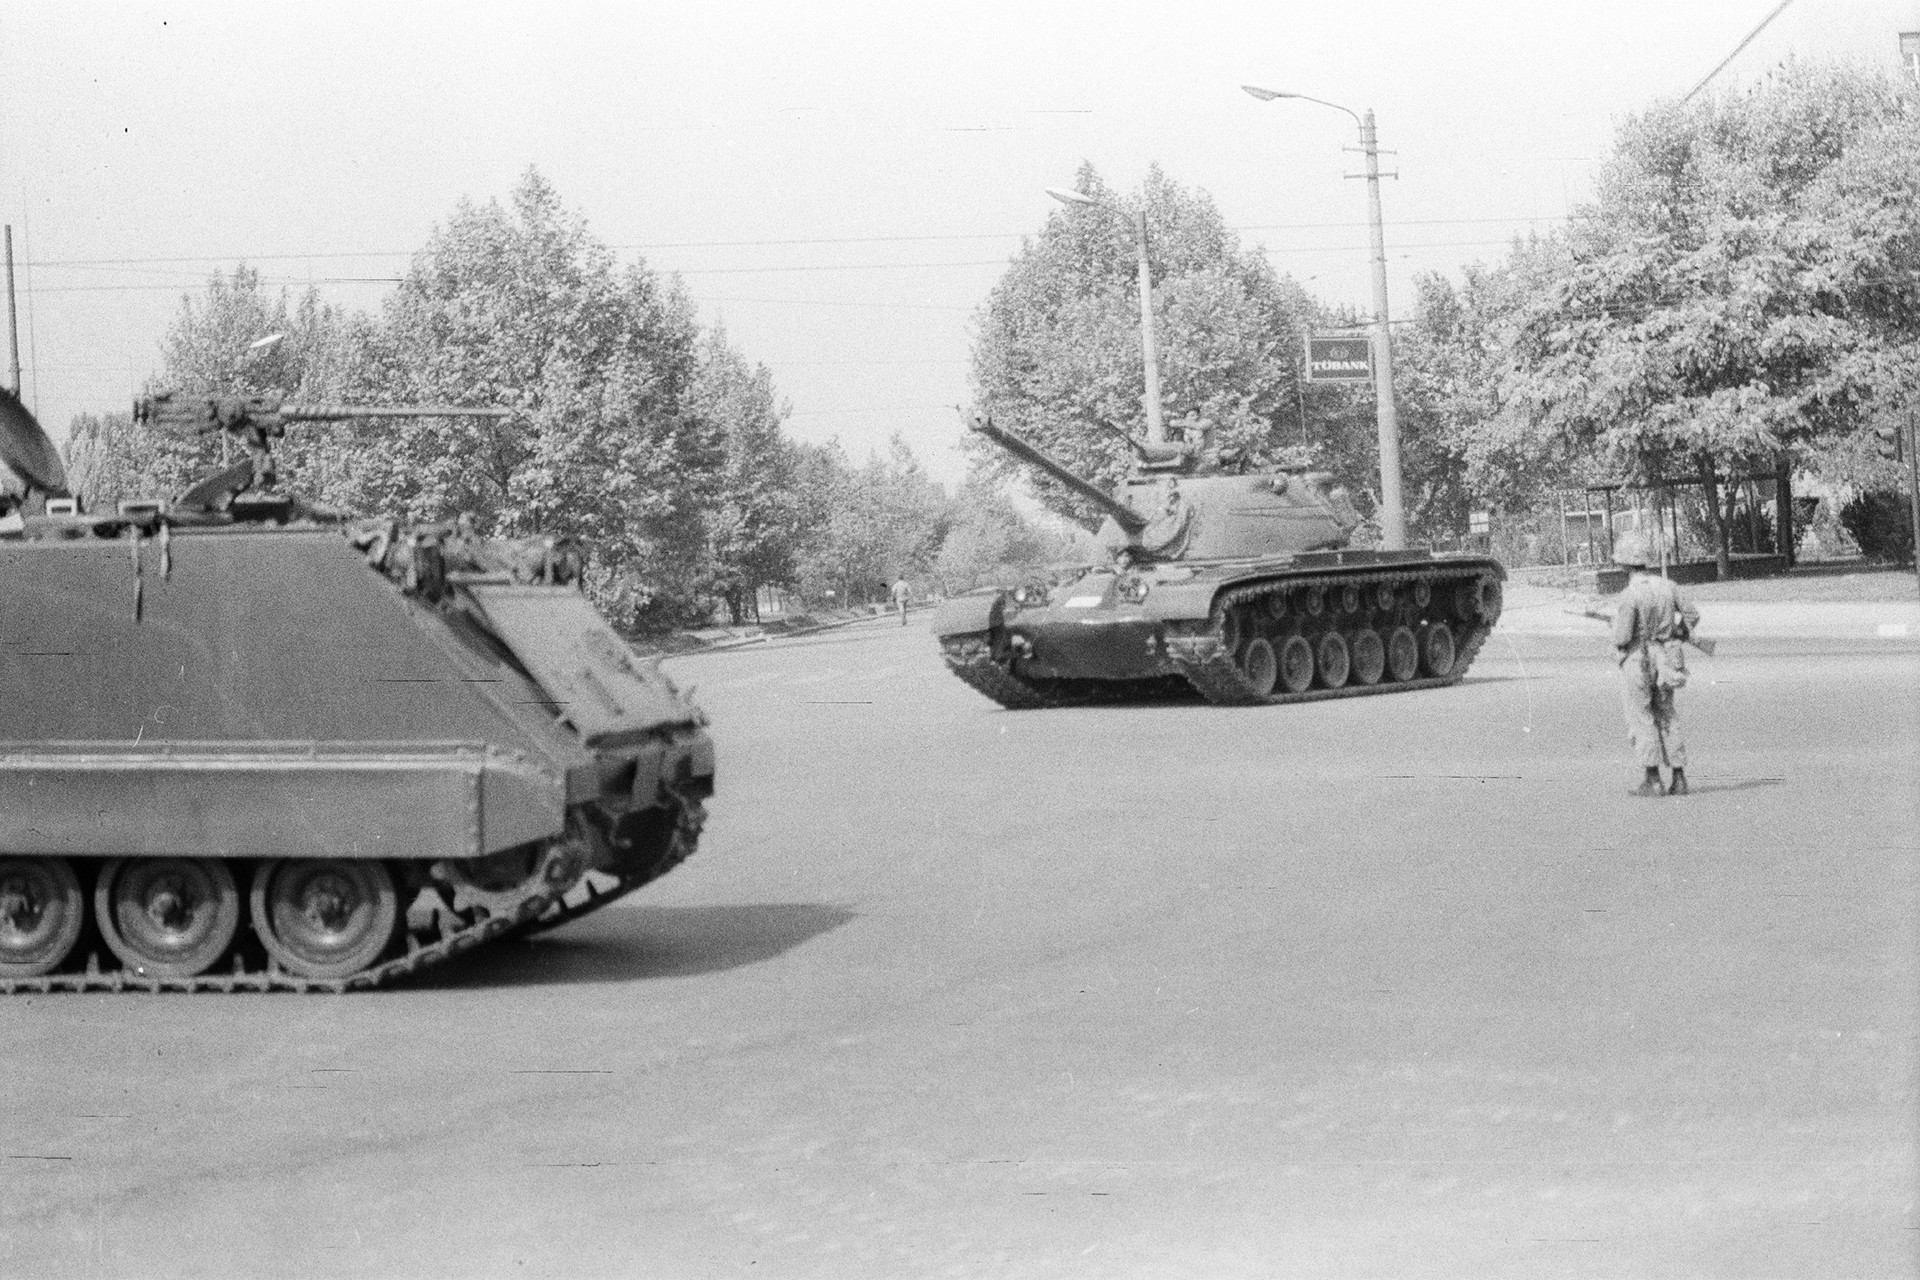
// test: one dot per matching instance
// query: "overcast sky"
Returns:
(841, 183)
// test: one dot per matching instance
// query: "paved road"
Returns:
(1402, 986)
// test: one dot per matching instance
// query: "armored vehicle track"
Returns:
(1278, 639)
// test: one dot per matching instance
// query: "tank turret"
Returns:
(1186, 501)
(1225, 577)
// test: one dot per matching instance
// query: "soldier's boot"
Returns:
(1649, 785)
(1678, 787)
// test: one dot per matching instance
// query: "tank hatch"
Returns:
(594, 680)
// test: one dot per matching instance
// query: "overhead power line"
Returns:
(748, 244)
(1777, 11)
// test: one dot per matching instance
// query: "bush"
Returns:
(1882, 523)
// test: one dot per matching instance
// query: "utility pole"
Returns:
(1149, 350)
(1393, 516)
(1913, 484)
(13, 323)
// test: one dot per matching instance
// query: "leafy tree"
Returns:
(522, 307)
(210, 348)
(108, 459)
(870, 525)
(1448, 360)
(1058, 344)
(1745, 284)
(752, 522)
(989, 543)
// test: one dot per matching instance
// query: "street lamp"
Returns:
(1149, 352)
(1393, 517)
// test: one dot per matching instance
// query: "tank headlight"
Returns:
(1031, 594)
(1134, 590)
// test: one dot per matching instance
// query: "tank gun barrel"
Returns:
(1123, 515)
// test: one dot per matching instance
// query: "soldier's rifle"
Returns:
(1702, 643)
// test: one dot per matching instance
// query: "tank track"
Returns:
(1205, 662)
(541, 906)
(599, 889)
(971, 658)
(1210, 668)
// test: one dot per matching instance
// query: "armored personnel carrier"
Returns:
(248, 743)
(1231, 580)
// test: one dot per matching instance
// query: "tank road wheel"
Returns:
(1260, 666)
(1296, 664)
(1334, 660)
(1349, 599)
(167, 917)
(1403, 654)
(324, 917)
(1369, 656)
(41, 911)
(1490, 597)
(1436, 649)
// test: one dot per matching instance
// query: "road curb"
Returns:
(1848, 620)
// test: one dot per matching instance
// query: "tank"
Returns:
(1225, 578)
(254, 744)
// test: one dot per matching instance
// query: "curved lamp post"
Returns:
(1149, 351)
(1393, 518)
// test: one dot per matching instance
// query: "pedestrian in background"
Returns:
(900, 590)
(1648, 628)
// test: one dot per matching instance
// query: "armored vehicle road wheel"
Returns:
(1403, 654)
(41, 911)
(1369, 656)
(1296, 664)
(1260, 666)
(1436, 651)
(1334, 660)
(324, 917)
(167, 917)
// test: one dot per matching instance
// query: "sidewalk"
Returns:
(1532, 610)
(707, 639)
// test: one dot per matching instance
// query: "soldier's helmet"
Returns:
(1631, 548)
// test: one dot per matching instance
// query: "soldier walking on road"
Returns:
(900, 591)
(1652, 620)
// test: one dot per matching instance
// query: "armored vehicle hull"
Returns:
(1324, 624)
(246, 757)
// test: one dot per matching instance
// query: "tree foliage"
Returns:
(1744, 285)
(1058, 341)
(658, 446)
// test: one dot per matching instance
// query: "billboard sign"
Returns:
(1339, 359)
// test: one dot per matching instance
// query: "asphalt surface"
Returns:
(1397, 986)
